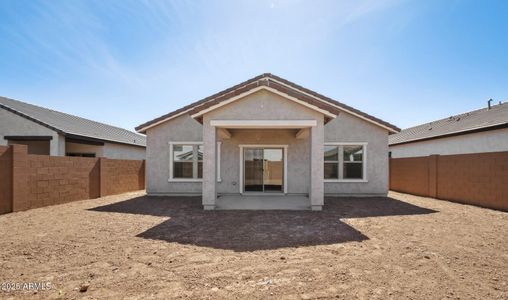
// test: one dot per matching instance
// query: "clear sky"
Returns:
(126, 62)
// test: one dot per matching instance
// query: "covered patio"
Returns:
(257, 190)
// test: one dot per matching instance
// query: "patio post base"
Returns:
(317, 207)
(209, 207)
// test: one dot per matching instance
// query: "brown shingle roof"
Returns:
(275, 82)
(473, 121)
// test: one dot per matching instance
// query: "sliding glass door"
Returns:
(253, 166)
(263, 169)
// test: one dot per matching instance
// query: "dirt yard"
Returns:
(133, 246)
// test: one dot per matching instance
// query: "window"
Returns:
(186, 161)
(345, 162)
(353, 162)
(80, 154)
(183, 161)
(331, 162)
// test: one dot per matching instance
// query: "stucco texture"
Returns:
(298, 154)
(122, 151)
(480, 142)
(264, 105)
(12, 124)
(180, 129)
(348, 128)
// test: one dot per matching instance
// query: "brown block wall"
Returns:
(479, 179)
(20, 186)
(120, 176)
(30, 181)
(410, 175)
(5, 179)
(55, 180)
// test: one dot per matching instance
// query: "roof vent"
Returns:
(488, 102)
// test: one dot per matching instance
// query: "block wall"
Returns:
(30, 181)
(478, 179)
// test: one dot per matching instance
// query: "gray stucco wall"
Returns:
(12, 124)
(34, 147)
(298, 152)
(487, 141)
(264, 105)
(180, 129)
(121, 151)
(348, 128)
(109, 150)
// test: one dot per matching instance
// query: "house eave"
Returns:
(267, 88)
(455, 133)
(194, 110)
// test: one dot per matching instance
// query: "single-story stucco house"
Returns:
(49, 132)
(266, 140)
(480, 131)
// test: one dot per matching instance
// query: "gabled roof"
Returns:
(275, 83)
(72, 126)
(469, 122)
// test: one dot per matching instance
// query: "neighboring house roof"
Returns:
(275, 83)
(469, 122)
(72, 126)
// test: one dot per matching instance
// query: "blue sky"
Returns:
(126, 62)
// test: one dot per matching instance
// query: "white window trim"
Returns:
(364, 171)
(285, 147)
(219, 146)
(172, 179)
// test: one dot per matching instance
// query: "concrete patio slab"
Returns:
(263, 202)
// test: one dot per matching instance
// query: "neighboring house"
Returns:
(267, 137)
(49, 132)
(479, 131)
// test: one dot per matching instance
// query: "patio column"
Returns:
(209, 165)
(316, 192)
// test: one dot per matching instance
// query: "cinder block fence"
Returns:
(479, 179)
(30, 181)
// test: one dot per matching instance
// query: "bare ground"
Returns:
(133, 246)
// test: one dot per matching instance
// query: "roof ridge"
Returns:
(481, 119)
(333, 101)
(457, 115)
(326, 101)
(59, 112)
(69, 124)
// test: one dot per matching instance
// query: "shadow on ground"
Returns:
(258, 230)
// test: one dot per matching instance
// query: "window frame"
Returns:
(194, 167)
(341, 162)
(81, 154)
